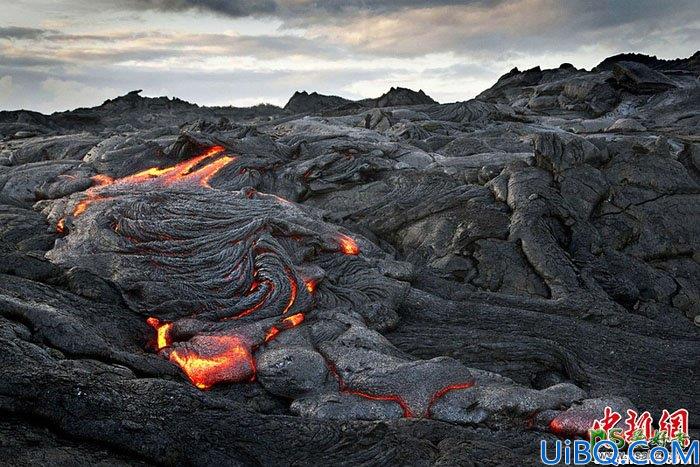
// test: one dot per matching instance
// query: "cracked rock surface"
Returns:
(390, 280)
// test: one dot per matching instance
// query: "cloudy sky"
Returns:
(62, 54)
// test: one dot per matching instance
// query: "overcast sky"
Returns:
(58, 55)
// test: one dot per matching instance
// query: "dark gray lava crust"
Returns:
(387, 281)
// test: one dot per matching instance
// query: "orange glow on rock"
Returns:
(153, 172)
(181, 172)
(101, 180)
(445, 390)
(206, 173)
(82, 205)
(162, 332)
(293, 320)
(61, 225)
(292, 293)
(452, 387)
(348, 245)
(556, 427)
(214, 150)
(407, 413)
(342, 387)
(271, 333)
(310, 285)
(570, 427)
(215, 359)
(287, 323)
(258, 305)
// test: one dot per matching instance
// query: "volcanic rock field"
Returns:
(374, 282)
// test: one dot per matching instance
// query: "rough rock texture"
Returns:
(301, 102)
(304, 102)
(640, 79)
(401, 97)
(383, 281)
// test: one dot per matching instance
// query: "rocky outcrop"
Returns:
(640, 79)
(303, 102)
(690, 64)
(403, 97)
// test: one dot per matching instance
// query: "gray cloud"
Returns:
(409, 28)
(42, 91)
(517, 27)
(234, 8)
(52, 46)
(292, 8)
(16, 32)
(452, 49)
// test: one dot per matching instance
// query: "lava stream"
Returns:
(209, 360)
(348, 245)
(407, 412)
(182, 172)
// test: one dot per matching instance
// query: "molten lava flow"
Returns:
(271, 333)
(310, 285)
(287, 323)
(293, 292)
(181, 172)
(293, 320)
(162, 332)
(215, 359)
(560, 429)
(207, 172)
(570, 427)
(61, 225)
(208, 360)
(407, 412)
(82, 205)
(101, 180)
(342, 387)
(348, 245)
(445, 390)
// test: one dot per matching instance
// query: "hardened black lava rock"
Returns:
(390, 280)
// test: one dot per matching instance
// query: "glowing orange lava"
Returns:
(61, 225)
(310, 285)
(445, 390)
(293, 292)
(348, 245)
(556, 427)
(407, 412)
(221, 359)
(162, 332)
(181, 172)
(206, 173)
(293, 320)
(82, 205)
(287, 323)
(566, 427)
(271, 333)
(101, 180)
